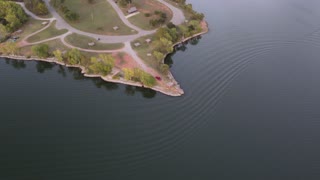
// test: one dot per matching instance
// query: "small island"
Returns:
(120, 41)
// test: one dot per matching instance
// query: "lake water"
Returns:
(251, 109)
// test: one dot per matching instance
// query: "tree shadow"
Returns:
(44, 66)
(17, 64)
(100, 83)
(146, 93)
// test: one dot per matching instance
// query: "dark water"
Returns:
(251, 109)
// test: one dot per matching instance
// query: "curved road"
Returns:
(178, 18)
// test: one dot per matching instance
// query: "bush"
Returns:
(147, 14)
(72, 16)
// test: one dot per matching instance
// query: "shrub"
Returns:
(147, 14)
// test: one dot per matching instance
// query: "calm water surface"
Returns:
(251, 108)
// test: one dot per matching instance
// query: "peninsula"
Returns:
(120, 41)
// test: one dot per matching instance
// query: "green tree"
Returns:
(74, 56)
(128, 73)
(12, 16)
(147, 79)
(102, 65)
(58, 54)
(158, 55)
(41, 50)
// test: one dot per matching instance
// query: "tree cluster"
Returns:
(102, 65)
(159, 21)
(41, 50)
(38, 7)
(9, 48)
(139, 75)
(72, 56)
(12, 17)
(68, 14)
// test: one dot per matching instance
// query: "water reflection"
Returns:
(99, 83)
(17, 64)
(42, 67)
(62, 71)
(181, 47)
(146, 93)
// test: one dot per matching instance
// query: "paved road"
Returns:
(178, 16)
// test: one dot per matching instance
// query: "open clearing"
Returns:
(50, 32)
(98, 18)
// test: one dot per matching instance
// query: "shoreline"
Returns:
(109, 78)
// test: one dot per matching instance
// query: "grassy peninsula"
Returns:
(122, 41)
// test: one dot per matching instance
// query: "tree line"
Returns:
(68, 14)
(38, 7)
(12, 17)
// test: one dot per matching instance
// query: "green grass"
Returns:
(31, 26)
(144, 49)
(82, 42)
(50, 32)
(148, 6)
(98, 18)
(53, 45)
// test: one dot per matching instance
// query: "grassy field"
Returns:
(50, 32)
(148, 7)
(31, 26)
(54, 45)
(144, 50)
(98, 18)
(82, 42)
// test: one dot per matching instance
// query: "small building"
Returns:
(132, 10)
(148, 41)
(149, 54)
(91, 44)
(44, 23)
(137, 44)
(115, 28)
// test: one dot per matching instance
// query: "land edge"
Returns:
(108, 78)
